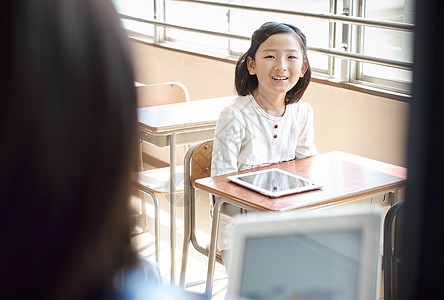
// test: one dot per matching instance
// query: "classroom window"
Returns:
(341, 46)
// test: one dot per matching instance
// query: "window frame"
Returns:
(347, 58)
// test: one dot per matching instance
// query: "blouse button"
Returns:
(276, 126)
(275, 136)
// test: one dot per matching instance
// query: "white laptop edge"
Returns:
(368, 218)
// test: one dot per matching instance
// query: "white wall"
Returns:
(345, 120)
(204, 78)
(359, 123)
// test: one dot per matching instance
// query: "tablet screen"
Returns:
(274, 182)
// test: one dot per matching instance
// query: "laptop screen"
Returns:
(322, 265)
(335, 255)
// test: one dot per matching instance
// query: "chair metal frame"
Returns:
(197, 164)
(152, 95)
(391, 252)
(155, 200)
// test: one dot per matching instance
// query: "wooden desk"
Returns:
(346, 178)
(176, 124)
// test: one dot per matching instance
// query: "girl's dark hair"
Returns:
(245, 83)
(68, 137)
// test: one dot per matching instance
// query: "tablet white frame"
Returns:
(369, 220)
(313, 185)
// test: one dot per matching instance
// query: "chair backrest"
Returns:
(392, 249)
(161, 93)
(201, 160)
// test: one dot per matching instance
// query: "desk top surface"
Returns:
(344, 176)
(182, 116)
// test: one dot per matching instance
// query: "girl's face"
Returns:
(278, 64)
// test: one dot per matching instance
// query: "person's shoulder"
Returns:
(302, 104)
(240, 102)
(301, 107)
(237, 107)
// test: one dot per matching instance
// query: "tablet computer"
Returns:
(275, 182)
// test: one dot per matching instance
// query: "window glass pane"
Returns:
(374, 73)
(388, 44)
(143, 9)
(194, 15)
(317, 31)
(320, 6)
(199, 16)
(247, 21)
(139, 28)
(199, 42)
(136, 8)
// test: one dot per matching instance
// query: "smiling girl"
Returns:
(267, 123)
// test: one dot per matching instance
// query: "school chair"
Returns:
(156, 181)
(197, 164)
(391, 249)
(159, 94)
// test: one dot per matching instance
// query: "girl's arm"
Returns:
(228, 137)
(305, 146)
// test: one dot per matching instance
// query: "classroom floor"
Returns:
(197, 263)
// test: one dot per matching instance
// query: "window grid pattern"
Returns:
(343, 44)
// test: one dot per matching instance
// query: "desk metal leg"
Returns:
(173, 206)
(187, 226)
(147, 193)
(157, 229)
(213, 246)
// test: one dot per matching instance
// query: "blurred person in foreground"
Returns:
(67, 145)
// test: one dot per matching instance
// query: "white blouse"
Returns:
(247, 137)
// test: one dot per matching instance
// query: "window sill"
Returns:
(362, 88)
